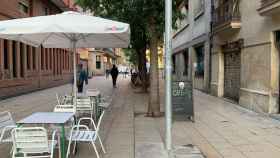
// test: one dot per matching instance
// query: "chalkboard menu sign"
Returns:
(182, 98)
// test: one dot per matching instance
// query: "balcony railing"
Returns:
(269, 7)
(265, 3)
(226, 13)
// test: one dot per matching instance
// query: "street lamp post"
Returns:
(168, 74)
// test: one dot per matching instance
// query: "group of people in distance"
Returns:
(82, 76)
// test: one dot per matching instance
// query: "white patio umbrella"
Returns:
(67, 30)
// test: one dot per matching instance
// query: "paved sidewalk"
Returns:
(221, 129)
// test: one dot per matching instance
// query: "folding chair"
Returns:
(32, 142)
(82, 133)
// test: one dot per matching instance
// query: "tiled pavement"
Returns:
(221, 129)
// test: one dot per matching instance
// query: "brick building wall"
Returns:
(24, 68)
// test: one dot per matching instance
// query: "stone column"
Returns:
(18, 60)
(51, 59)
(221, 74)
(10, 58)
(31, 58)
(24, 64)
(207, 66)
(44, 59)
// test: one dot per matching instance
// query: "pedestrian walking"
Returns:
(114, 74)
(82, 78)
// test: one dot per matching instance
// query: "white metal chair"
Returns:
(29, 142)
(6, 125)
(82, 133)
(58, 99)
(84, 105)
(66, 99)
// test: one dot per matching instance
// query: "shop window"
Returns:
(6, 54)
(186, 59)
(98, 62)
(199, 66)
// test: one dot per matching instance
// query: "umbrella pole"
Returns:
(74, 72)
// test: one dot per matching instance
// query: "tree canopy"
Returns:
(147, 21)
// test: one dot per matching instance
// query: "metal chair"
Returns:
(6, 125)
(32, 142)
(82, 133)
(84, 105)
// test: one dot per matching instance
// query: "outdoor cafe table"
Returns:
(96, 95)
(55, 118)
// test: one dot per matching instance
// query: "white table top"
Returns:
(47, 118)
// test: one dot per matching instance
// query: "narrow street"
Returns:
(221, 129)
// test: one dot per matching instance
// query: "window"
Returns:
(46, 11)
(6, 54)
(24, 6)
(174, 64)
(34, 57)
(51, 58)
(199, 67)
(28, 56)
(98, 62)
(22, 60)
(47, 58)
(42, 58)
(14, 45)
(277, 39)
(199, 7)
(186, 58)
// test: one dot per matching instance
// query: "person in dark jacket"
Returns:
(82, 78)
(114, 74)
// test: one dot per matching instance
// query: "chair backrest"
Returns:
(30, 140)
(84, 104)
(5, 120)
(65, 108)
(58, 99)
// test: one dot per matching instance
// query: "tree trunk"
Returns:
(154, 104)
(142, 68)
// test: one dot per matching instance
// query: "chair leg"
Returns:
(68, 149)
(74, 148)
(95, 149)
(103, 149)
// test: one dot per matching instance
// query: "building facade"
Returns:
(98, 60)
(24, 68)
(191, 43)
(245, 53)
